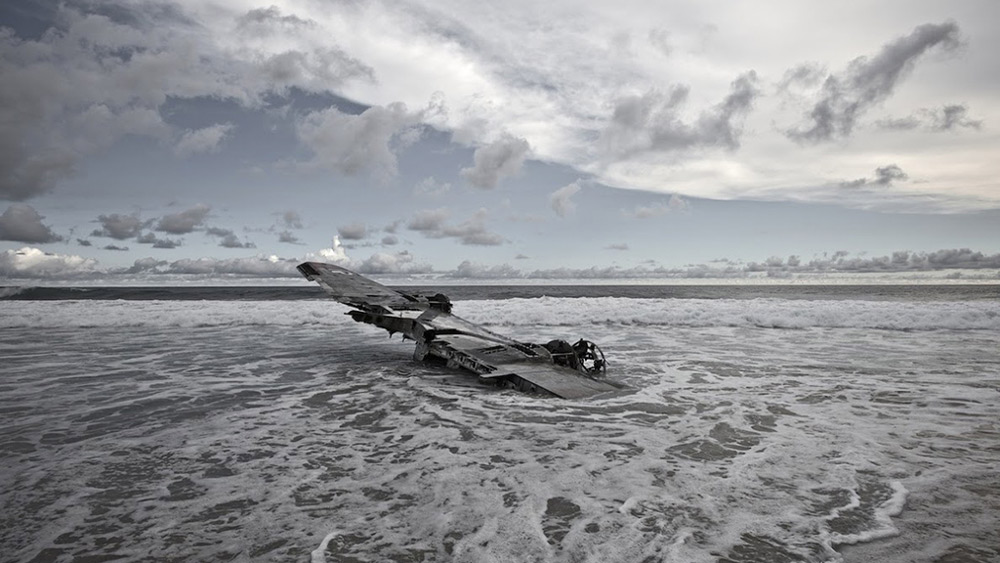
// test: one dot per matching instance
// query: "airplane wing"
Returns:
(356, 290)
(495, 358)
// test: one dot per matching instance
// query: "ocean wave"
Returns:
(544, 311)
(7, 292)
(761, 313)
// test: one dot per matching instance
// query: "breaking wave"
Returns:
(761, 313)
(9, 291)
(544, 311)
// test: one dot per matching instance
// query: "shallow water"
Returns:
(760, 430)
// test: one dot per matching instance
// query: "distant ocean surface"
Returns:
(757, 424)
(951, 292)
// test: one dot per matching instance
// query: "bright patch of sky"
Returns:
(512, 140)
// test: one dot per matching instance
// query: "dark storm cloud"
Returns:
(899, 123)
(496, 161)
(184, 222)
(845, 97)
(21, 223)
(884, 176)
(218, 231)
(287, 237)
(354, 231)
(271, 16)
(945, 118)
(118, 226)
(23, 176)
(103, 71)
(432, 224)
(953, 116)
(652, 122)
(166, 243)
(291, 220)
(84, 242)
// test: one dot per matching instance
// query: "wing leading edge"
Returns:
(459, 343)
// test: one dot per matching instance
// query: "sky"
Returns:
(504, 140)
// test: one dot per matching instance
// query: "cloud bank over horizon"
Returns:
(29, 264)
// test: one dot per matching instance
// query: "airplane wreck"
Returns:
(556, 368)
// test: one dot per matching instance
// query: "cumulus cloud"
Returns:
(561, 201)
(617, 246)
(147, 264)
(472, 270)
(496, 161)
(398, 263)
(899, 261)
(270, 266)
(336, 254)
(845, 97)
(840, 262)
(116, 248)
(432, 223)
(29, 262)
(653, 122)
(232, 241)
(184, 222)
(228, 238)
(390, 240)
(119, 226)
(429, 220)
(21, 223)
(84, 242)
(150, 238)
(205, 140)
(350, 144)
(353, 231)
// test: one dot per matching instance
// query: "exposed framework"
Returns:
(557, 367)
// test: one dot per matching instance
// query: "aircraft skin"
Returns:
(495, 358)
